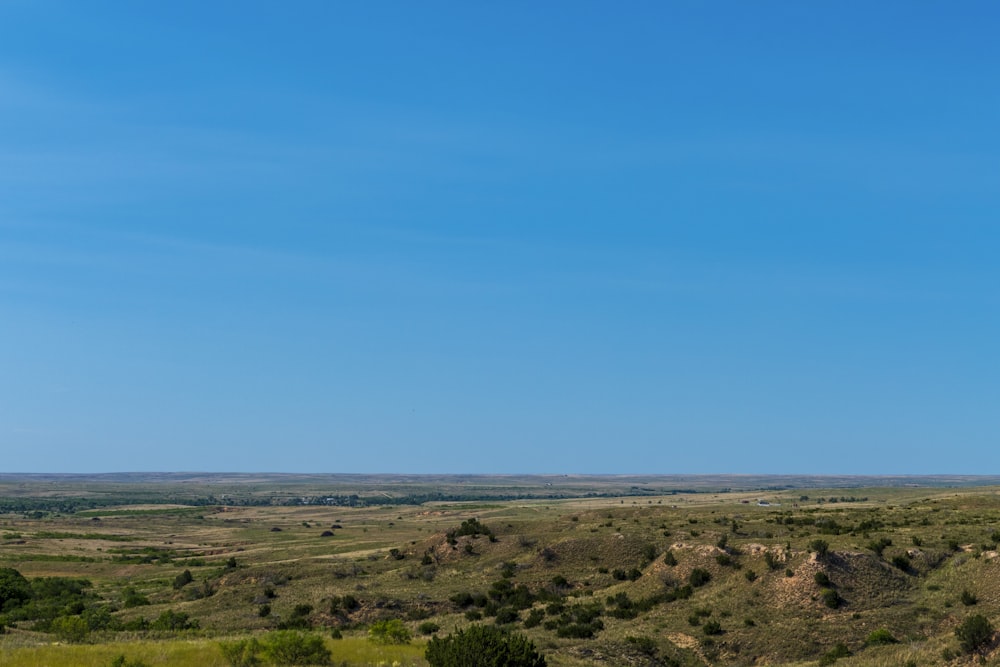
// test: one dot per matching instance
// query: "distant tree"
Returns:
(483, 646)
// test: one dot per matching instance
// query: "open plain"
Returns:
(170, 569)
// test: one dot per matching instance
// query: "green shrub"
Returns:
(834, 654)
(699, 577)
(535, 618)
(974, 632)
(174, 620)
(670, 559)
(968, 599)
(290, 647)
(880, 637)
(428, 628)
(241, 653)
(822, 578)
(70, 628)
(821, 547)
(712, 628)
(183, 579)
(390, 631)
(132, 598)
(507, 615)
(483, 646)
(831, 598)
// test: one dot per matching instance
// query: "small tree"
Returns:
(974, 632)
(483, 646)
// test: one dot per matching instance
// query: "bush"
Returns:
(969, 599)
(974, 633)
(670, 559)
(70, 628)
(241, 653)
(507, 615)
(428, 628)
(712, 628)
(880, 637)
(483, 646)
(837, 652)
(535, 618)
(821, 547)
(183, 579)
(822, 578)
(289, 647)
(174, 620)
(699, 577)
(831, 598)
(391, 631)
(133, 598)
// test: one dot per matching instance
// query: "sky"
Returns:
(454, 237)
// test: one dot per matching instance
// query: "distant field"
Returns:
(613, 571)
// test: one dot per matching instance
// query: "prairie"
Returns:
(614, 571)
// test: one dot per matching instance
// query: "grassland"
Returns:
(613, 571)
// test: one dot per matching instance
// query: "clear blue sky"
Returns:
(671, 237)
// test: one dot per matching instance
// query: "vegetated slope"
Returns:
(674, 580)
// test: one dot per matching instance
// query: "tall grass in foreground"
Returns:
(350, 652)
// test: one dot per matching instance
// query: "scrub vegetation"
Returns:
(611, 572)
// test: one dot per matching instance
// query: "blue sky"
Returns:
(585, 237)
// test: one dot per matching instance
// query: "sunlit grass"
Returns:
(350, 652)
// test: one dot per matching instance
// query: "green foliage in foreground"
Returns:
(483, 646)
